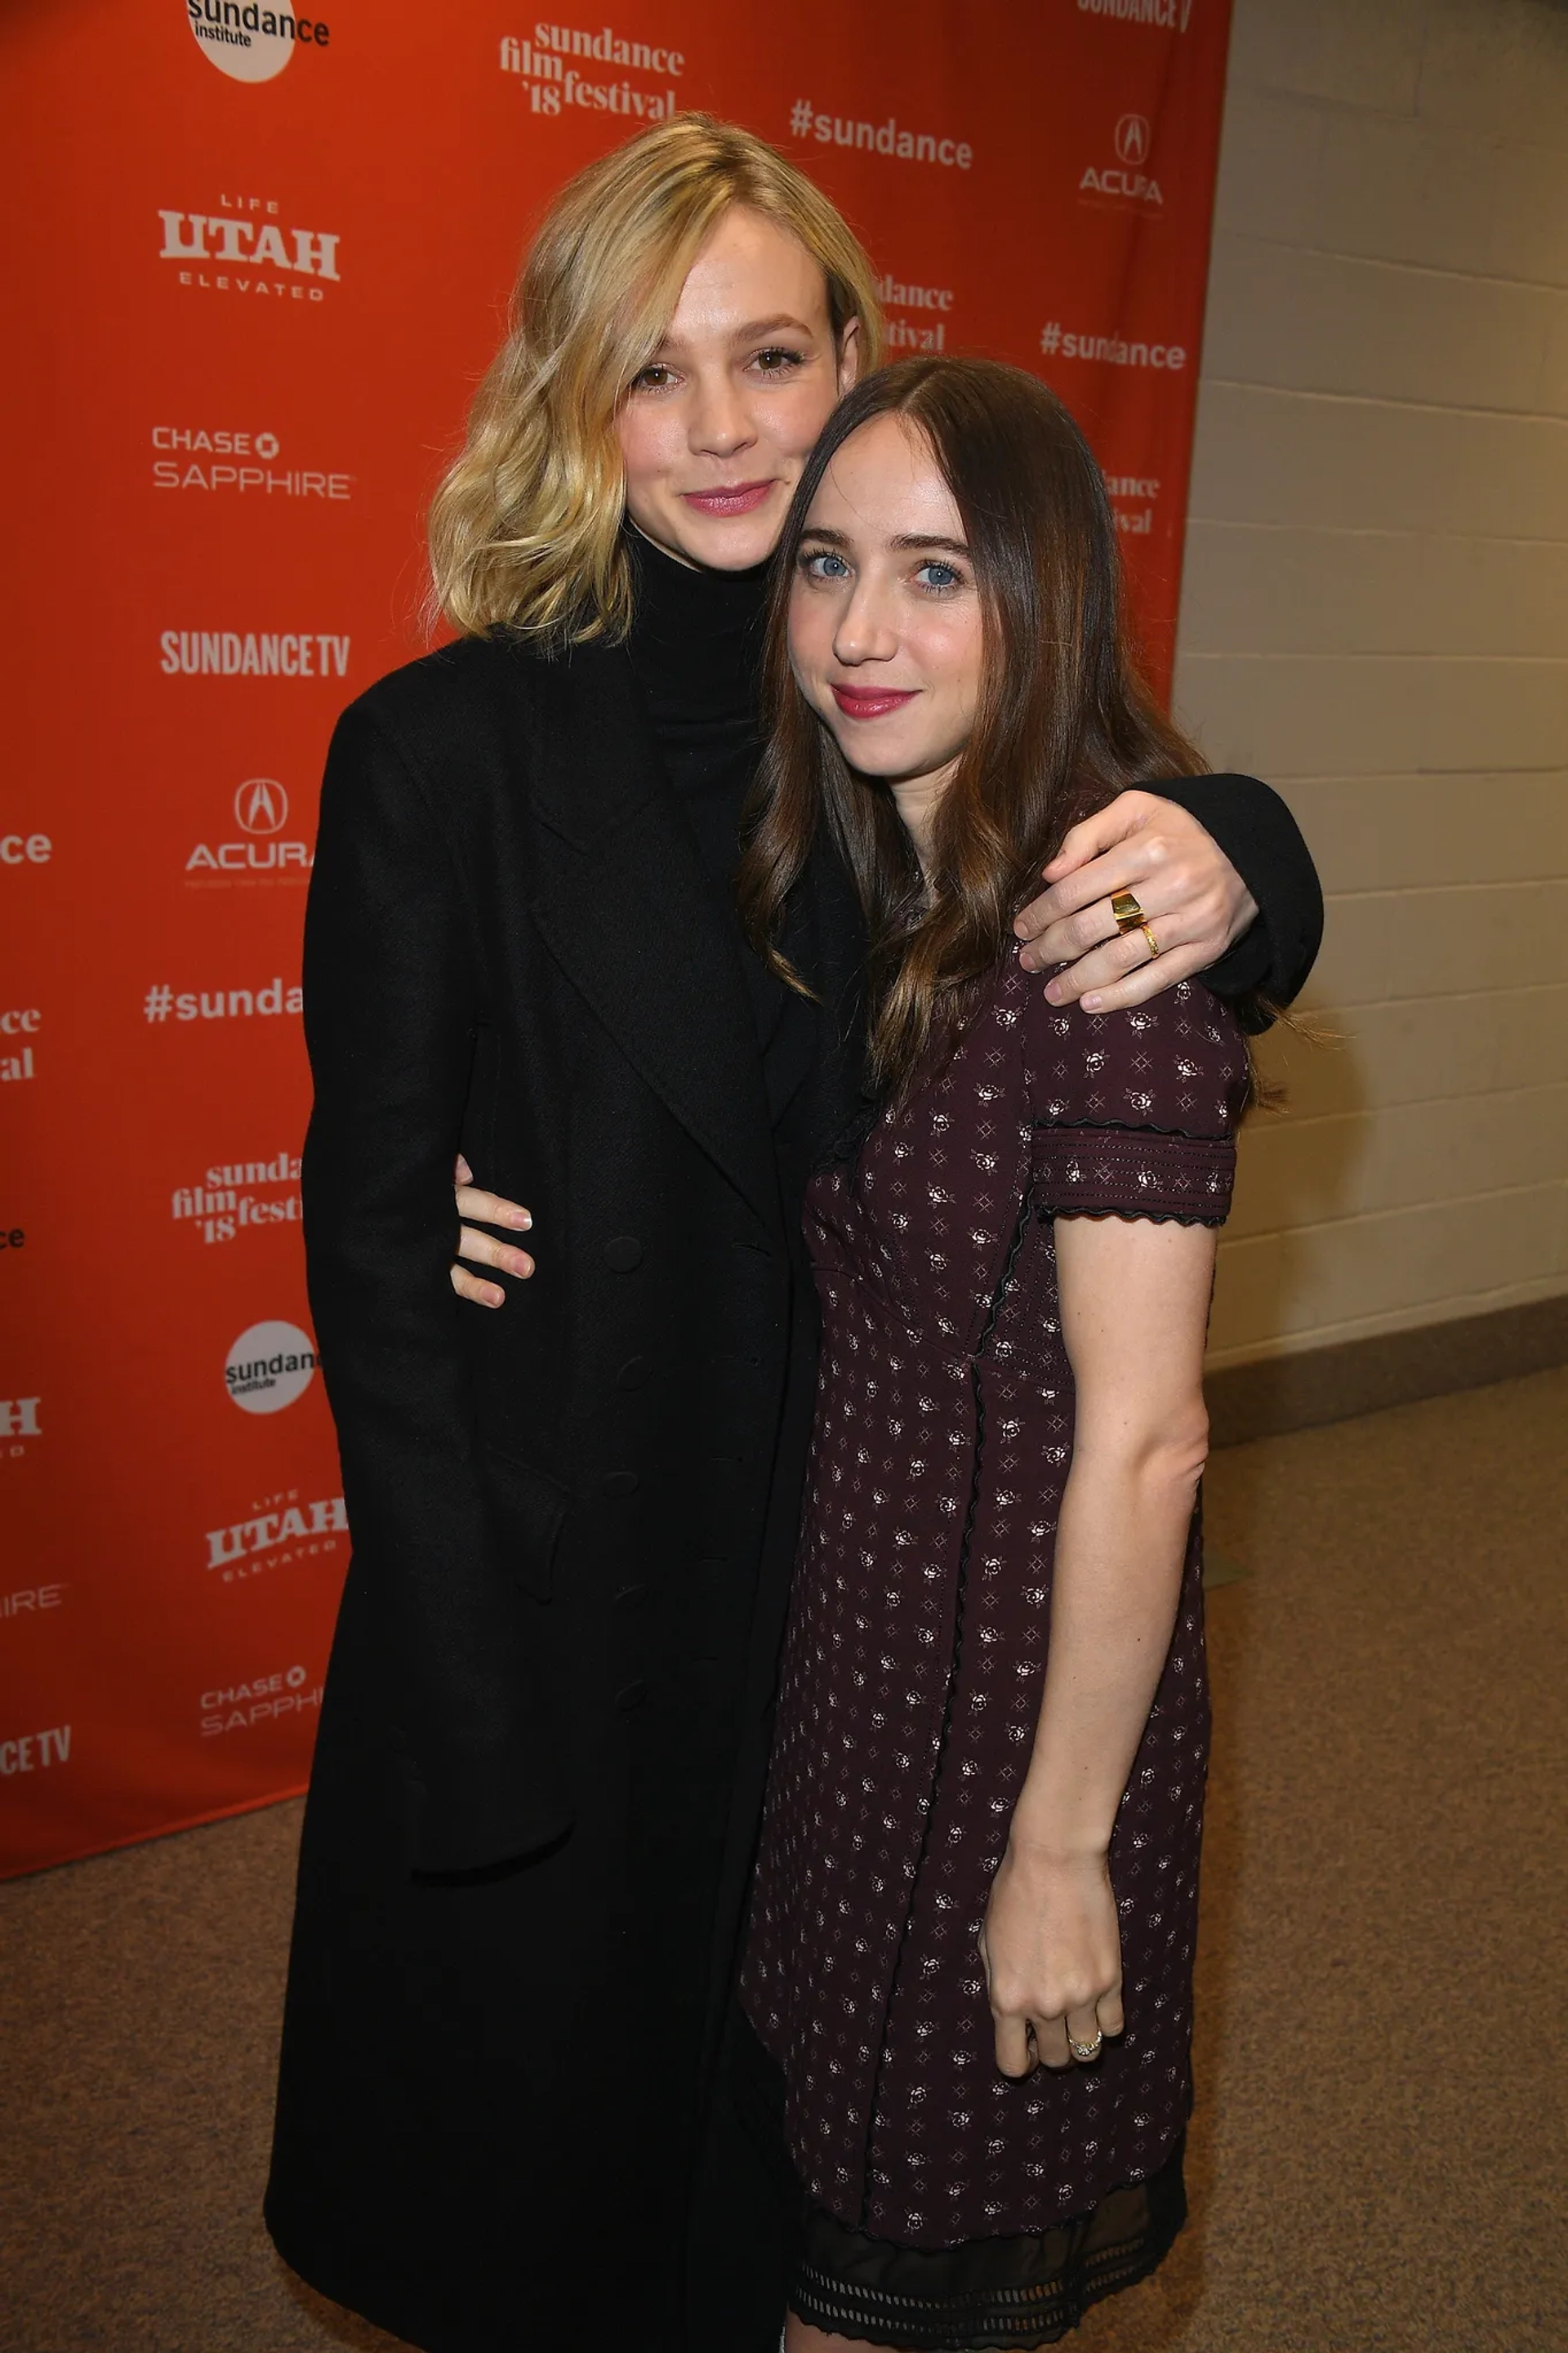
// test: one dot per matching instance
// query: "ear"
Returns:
(848, 355)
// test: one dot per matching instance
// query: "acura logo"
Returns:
(261, 806)
(1134, 138)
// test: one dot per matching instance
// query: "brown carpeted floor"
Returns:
(1379, 2159)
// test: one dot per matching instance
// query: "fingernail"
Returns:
(1025, 960)
(495, 1296)
(1092, 1004)
(521, 1264)
(1053, 992)
(520, 1220)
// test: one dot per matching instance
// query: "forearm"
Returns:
(1120, 1542)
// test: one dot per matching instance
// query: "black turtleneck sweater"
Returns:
(696, 645)
(696, 648)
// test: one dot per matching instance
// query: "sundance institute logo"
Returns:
(269, 1366)
(250, 43)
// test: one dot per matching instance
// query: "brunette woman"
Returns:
(539, 1775)
(975, 1902)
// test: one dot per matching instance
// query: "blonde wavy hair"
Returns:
(525, 529)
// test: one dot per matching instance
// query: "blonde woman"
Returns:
(514, 2085)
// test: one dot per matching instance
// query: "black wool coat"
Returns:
(543, 1741)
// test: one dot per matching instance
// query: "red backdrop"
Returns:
(264, 260)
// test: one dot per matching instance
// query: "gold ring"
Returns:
(1085, 2051)
(1153, 942)
(1128, 913)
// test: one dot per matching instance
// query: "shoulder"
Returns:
(1177, 1064)
(428, 742)
(464, 686)
(1216, 789)
(463, 727)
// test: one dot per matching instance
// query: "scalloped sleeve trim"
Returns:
(1096, 1172)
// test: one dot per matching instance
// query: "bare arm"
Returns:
(1135, 1298)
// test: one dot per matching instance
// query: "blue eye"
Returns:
(822, 563)
(939, 576)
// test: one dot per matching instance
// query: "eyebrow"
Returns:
(756, 328)
(904, 540)
(772, 327)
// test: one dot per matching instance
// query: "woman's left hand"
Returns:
(1193, 902)
(1052, 1950)
(484, 1250)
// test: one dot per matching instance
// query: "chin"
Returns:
(878, 766)
(734, 546)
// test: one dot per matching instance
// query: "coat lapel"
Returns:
(625, 905)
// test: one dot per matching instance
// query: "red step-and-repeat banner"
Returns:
(262, 261)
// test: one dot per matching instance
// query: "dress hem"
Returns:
(1006, 2295)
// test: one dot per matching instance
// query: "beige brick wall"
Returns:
(1374, 616)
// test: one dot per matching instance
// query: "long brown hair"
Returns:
(1063, 720)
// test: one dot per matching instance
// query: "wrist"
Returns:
(1244, 914)
(1038, 1853)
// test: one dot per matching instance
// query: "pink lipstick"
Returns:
(729, 498)
(871, 701)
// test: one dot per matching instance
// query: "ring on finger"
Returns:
(1126, 913)
(1153, 942)
(1084, 2051)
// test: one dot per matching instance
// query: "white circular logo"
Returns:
(294, 1678)
(269, 1366)
(1134, 138)
(261, 806)
(267, 445)
(229, 33)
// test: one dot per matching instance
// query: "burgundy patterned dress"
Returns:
(915, 1657)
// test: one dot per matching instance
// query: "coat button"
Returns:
(631, 1597)
(622, 1253)
(621, 1483)
(629, 1697)
(633, 1372)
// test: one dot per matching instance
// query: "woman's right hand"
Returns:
(1052, 1948)
(484, 1250)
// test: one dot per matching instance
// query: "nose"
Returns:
(721, 421)
(865, 632)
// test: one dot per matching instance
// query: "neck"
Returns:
(917, 799)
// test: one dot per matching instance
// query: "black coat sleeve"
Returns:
(393, 992)
(1263, 842)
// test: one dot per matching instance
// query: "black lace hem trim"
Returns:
(1134, 1217)
(1000, 2296)
(1134, 1174)
(1132, 1127)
